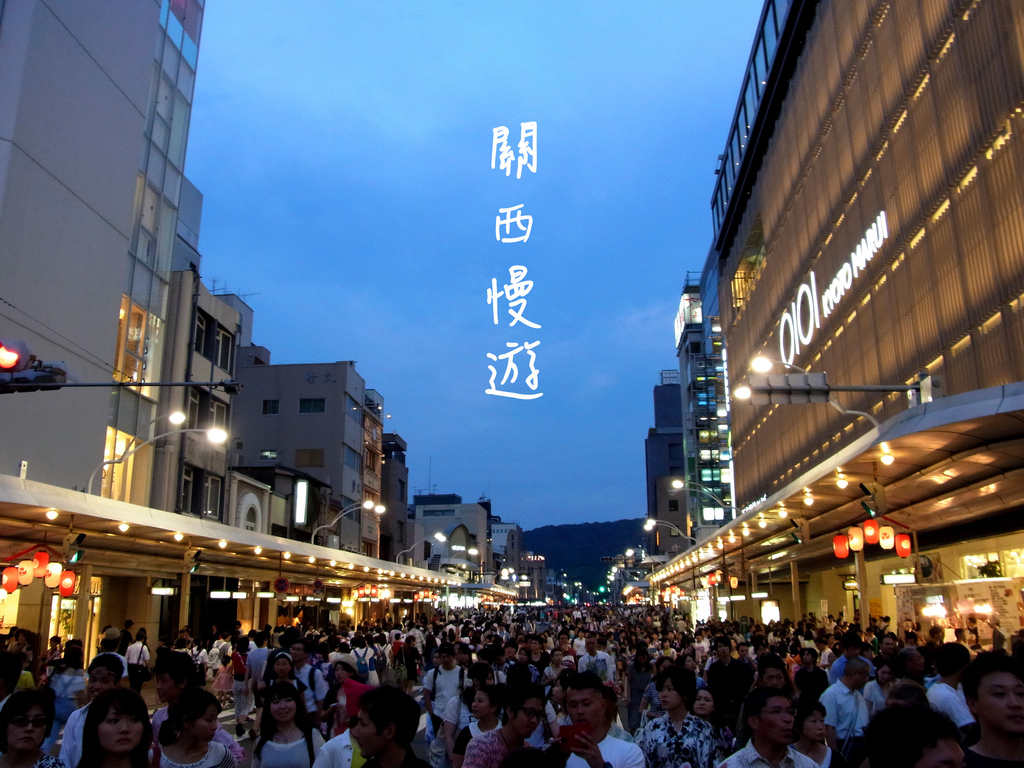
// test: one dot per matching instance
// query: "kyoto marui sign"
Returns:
(803, 317)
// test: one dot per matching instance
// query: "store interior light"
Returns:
(292, 599)
(51, 514)
(286, 555)
(334, 600)
(222, 544)
(162, 591)
(257, 550)
(219, 595)
(179, 536)
(758, 595)
(240, 595)
(123, 527)
(264, 595)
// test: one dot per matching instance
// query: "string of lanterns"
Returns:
(53, 575)
(871, 532)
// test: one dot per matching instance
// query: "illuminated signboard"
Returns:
(803, 317)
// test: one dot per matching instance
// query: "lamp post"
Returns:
(440, 537)
(378, 509)
(215, 435)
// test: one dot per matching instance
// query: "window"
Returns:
(218, 414)
(271, 407)
(673, 505)
(402, 490)
(309, 457)
(250, 519)
(352, 409)
(439, 513)
(201, 331)
(268, 455)
(211, 506)
(187, 489)
(312, 405)
(193, 409)
(352, 458)
(225, 346)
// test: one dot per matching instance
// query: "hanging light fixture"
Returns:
(41, 559)
(856, 537)
(871, 528)
(841, 481)
(841, 546)
(902, 545)
(26, 572)
(67, 584)
(52, 577)
(887, 537)
(9, 580)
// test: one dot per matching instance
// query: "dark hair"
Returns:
(585, 681)
(496, 695)
(190, 706)
(268, 725)
(812, 651)
(176, 665)
(108, 661)
(446, 649)
(907, 693)
(519, 674)
(758, 699)
(390, 705)
(522, 693)
(683, 680)
(123, 701)
(804, 709)
(642, 653)
(950, 658)
(986, 664)
(21, 702)
(851, 640)
(897, 738)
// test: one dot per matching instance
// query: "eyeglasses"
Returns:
(24, 721)
(531, 713)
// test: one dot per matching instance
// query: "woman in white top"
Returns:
(487, 703)
(186, 736)
(67, 682)
(810, 727)
(876, 690)
(137, 656)
(287, 736)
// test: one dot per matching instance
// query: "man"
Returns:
(728, 680)
(441, 684)
(678, 738)
(825, 654)
(172, 674)
(846, 712)
(888, 647)
(851, 645)
(910, 664)
(913, 737)
(770, 720)
(385, 728)
(585, 703)
(525, 711)
(105, 673)
(994, 692)
(538, 656)
(811, 680)
(946, 695)
(126, 637)
(598, 662)
(313, 679)
(463, 655)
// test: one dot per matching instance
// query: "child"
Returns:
(224, 681)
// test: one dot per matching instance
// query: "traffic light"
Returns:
(73, 551)
(783, 388)
(877, 493)
(20, 371)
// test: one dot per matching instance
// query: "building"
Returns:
(317, 419)
(506, 543)
(394, 495)
(666, 461)
(464, 527)
(869, 225)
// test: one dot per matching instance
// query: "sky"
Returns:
(344, 153)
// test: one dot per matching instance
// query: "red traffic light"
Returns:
(14, 356)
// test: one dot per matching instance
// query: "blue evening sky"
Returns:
(344, 150)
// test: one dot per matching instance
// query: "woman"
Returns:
(67, 682)
(343, 698)
(287, 736)
(137, 656)
(487, 703)
(638, 679)
(651, 704)
(241, 687)
(704, 708)
(524, 710)
(24, 722)
(116, 733)
(553, 669)
(810, 732)
(876, 691)
(457, 713)
(186, 736)
(556, 702)
(280, 669)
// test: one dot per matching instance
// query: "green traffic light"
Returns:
(868, 509)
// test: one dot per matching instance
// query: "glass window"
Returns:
(270, 407)
(219, 414)
(352, 458)
(250, 519)
(771, 37)
(225, 345)
(187, 489)
(201, 333)
(211, 507)
(268, 455)
(312, 405)
(193, 409)
(309, 457)
(352, 408)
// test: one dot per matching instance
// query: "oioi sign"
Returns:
(798, 323)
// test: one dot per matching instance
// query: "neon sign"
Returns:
(798, 323)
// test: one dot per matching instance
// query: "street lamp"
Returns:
(437, 536)
(369, 504)
(215, 435)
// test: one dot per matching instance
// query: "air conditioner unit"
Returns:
(333, 541)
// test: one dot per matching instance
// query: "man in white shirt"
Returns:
(946, 695)
(847, 712)
(770, 718)
(598, 662)
(585, 703)
(316, 685)
(442, 683)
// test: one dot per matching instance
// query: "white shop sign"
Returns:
(798, 323)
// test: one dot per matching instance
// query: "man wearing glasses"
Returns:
(525, 713)
(770, 717)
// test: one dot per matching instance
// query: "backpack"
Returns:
(365, 662)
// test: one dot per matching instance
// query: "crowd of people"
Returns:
(598, 687)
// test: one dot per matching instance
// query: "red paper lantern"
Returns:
(870, 531)
(10, 579)
(902, 545)
(841, 546)
(41, 559)
(67, 584)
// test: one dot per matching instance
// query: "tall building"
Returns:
(464, 526)
(666, 462)
(394, 495)
(869, 225)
